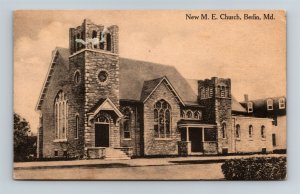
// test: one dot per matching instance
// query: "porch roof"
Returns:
(194, 123)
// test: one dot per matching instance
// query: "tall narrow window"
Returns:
(238, 131)
(281, 103)
(61, 116)
(263, 132)
(219, 91)
(94, 35)
(211, 91)
(270, 104)
(78, 44)
(108, 42)
(127, 123)
(206, 92)
(101, 42)
(198, 115)
(76, 126)
(162, 119)
(222, 91)
(224, 132)
(189, 114)
(250, 131)
(250, 107)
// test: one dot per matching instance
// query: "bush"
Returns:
(268, 168)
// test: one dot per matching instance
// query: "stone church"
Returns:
(96, 104)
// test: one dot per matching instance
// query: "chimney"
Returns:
(246, 97)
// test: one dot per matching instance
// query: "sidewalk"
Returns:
(139, 162)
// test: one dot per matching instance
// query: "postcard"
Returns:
(150, 95)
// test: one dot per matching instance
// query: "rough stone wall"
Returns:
(155, 146)
(256, 143)
(135, 140)
(85, 31)
(62, 79)
(94, 90)
(217, 108)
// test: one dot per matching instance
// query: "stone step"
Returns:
(115, 154)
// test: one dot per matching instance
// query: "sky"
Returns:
(252, 53)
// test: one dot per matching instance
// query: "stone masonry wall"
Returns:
(135, 128)
(95, 90)
(62, 80)
(154, 146)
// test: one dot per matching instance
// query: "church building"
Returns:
(96, 104)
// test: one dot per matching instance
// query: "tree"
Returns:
(24, 143)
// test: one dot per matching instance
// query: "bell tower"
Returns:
(215, 95)
(94, 53)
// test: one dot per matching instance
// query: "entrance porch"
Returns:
(197, 139)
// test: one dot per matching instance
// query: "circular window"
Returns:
(77, 77)
(102, 76)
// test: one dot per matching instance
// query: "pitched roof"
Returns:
(133, 74)
(149, 86)
(137, 78)
(57, 54)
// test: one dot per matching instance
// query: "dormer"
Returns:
(250, 107)
(270, 104)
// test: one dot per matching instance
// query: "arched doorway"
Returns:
(102, 131)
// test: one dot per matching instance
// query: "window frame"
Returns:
(238, 131)
(224, 130)
(127, 122)
(281, 105)
(61, 117)
(250, 132)
(270, 104)
(77, 126)
(263, 132)
(160, 120)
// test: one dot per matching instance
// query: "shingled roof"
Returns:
(136, 74)
(133, 74)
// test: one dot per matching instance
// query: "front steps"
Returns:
(115, 154)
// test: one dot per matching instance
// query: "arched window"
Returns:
(211, 91)
(94, 35)
(250, 131)
(222, 91)
(281, 103)
(219, 91)
(127, 123)
(101, 41)
(78, 44)
(108, 42)
(77, 78)
(206, 92)
(61, 116)
(162, 119)
(82, 37)
(74, 43)
(76, 126)
(270, 104)
(198, 115)
(224, 132)
(189, 114)
(263, 131)
(238, 131)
